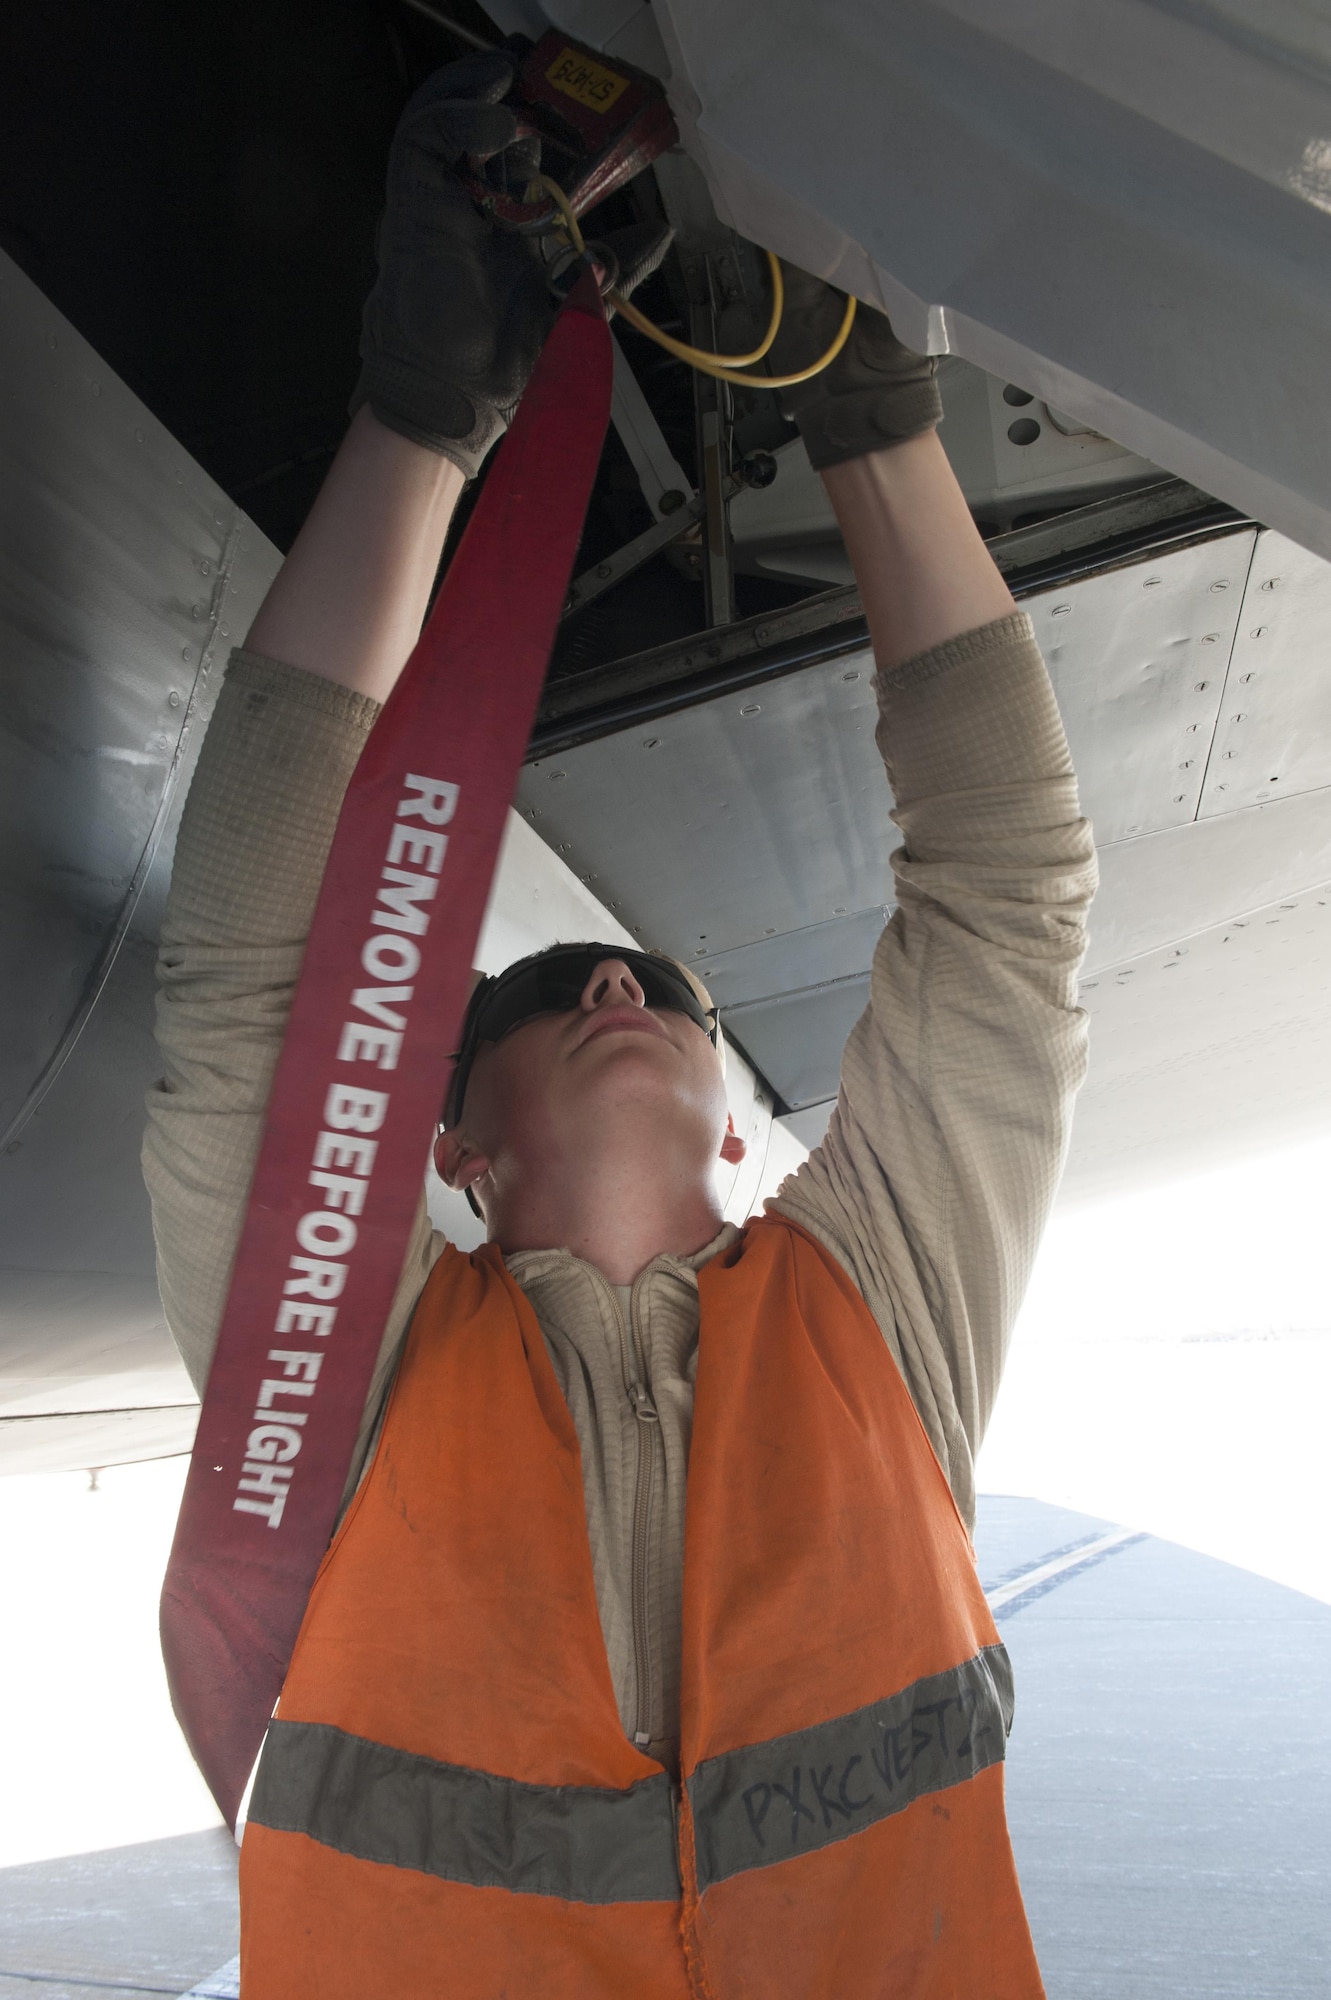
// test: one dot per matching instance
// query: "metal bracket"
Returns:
(641, 549)
(658, 470)
(1083, 542)
(709, 403)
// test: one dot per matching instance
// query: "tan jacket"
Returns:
(932, 1184)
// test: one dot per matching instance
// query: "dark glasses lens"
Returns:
(553, 983)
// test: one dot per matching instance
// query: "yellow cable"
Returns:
(722, 366)
(715, 364)
(540, 184)
(698, 357)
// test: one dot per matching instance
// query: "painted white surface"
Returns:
(537, 900)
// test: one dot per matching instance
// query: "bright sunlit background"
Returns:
(1171, 1371)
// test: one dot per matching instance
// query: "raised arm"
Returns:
(349, 600)
(293, 714)
(451, 333)
(944, 1150)
(924, 574)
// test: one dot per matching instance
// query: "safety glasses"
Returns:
(552, 982)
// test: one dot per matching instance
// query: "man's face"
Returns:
(609, 1073)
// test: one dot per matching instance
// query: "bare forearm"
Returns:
(923, 571)
(349, 600)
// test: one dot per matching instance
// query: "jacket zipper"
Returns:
(648, 1436)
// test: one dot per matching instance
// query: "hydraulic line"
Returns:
(722, 366)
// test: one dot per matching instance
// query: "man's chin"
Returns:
(635, 1097)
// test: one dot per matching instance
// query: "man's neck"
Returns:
(617, 1214)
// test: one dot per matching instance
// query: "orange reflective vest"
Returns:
(447, 1804)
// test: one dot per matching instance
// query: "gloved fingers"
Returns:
(485, 78)
(810, 318)
(875, 392)
(459, 110)
(879, 350)
(807, 294)
(638, 250)
(439, 135)
(510, 170)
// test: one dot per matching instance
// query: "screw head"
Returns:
(758, 469)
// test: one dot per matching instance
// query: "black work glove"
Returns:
(456, 320)
(875, 393)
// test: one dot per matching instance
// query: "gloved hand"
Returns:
(875, 393)
(459, 311)
(636, 251)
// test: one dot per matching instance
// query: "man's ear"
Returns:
(455, 1162)
(733, 1148)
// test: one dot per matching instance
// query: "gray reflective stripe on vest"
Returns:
(794, 1793)
(586, 1845)
(582, 1844)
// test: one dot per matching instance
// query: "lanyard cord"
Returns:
(722, 366)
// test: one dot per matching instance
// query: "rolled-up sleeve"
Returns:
(945, 1147)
